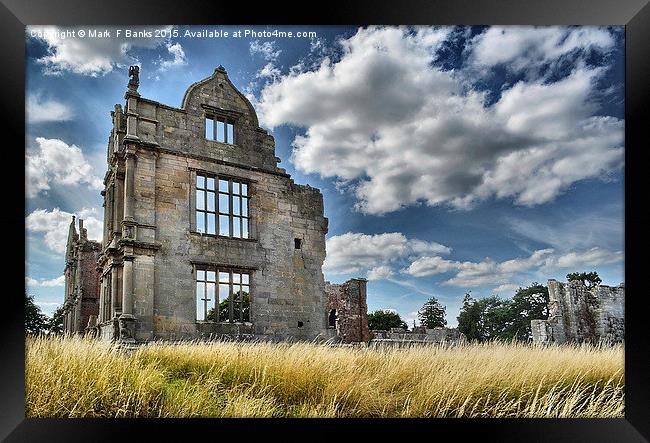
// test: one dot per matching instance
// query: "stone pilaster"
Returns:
(127, 319)
(129, 183)
(115, 296)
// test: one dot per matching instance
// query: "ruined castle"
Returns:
(204, 235)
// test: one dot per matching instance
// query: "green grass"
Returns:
(73, 377)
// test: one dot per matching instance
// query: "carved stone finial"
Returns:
(220, 68)
(134, 81)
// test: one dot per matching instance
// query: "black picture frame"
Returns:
(634, 14)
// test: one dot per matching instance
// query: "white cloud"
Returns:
(528, 47)
(268, 71)
(491, 272)
(39, 110)
(55, 282)
(179, 59)
(380, 273)
(356, 252)
(88, 56)
(426, 266)
(438, 141)
(506, 288)
(54, 226)
(267, 50)
(592, 257)
(56, 162)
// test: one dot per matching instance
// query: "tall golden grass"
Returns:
(73, 377)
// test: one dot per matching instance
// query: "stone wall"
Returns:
(155, 152)
(81, 288)
(419, 335)
(348, 310)
(581, 314)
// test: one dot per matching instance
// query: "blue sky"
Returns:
(451, 159)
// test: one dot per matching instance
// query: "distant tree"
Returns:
(35, 320)
(485, 319)
(469, 318)
(55, 323)
(589, 279)
(385, 320)
(224, 310)
(530, 303)
(432, 314)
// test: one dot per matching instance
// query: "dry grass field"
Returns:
(72, 377)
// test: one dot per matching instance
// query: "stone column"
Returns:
(114, 295)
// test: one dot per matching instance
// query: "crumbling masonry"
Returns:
(581, 314)
(348, 310)
(81, 302)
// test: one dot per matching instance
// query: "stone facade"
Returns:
(157, 247)
(348, 310)
(81, 280)
(581, 314)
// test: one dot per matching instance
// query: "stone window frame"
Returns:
(201, 270)
(219, 115)
(243, 220)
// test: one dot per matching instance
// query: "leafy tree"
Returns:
(589, 279)
(55, 323)
(35, 320)
(530, 303)
(432, 314)
(485, 319)
(385, 320)
(224, 310)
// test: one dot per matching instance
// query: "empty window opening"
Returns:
(332, 318)
(297, 243)
(221, 129)
(300, 324)
(222, 295)
(222, 207)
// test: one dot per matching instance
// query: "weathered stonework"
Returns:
(348, 310)
(419, 335)
(153, 248)
(580, 314)
(81, 280)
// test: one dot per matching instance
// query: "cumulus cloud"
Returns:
(87, 56)
(55, 282)
(56, 162)
(489, 271)
(39, 110)
(356, 252)
(438, 140)
(54, 224)
(525, 47)
(176, 50)
(268, 50)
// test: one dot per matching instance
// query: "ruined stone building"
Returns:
(204, 235)
(581, 314)
(81, 287)
(348, 310)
